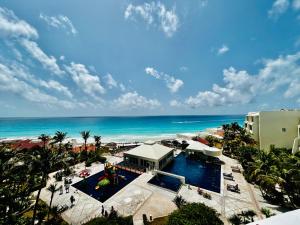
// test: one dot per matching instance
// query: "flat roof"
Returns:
(152, 151)
(288, 218)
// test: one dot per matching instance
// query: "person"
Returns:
(72, 200)
(102, 211)
(67, 187)
(61, 191)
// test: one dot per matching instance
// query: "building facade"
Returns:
(278, 128)
(149, 156)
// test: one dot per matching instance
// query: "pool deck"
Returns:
(139, 197)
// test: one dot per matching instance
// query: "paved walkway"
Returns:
(139, 197)
(226, 203)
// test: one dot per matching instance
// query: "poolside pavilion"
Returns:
(149, 155)
(196, 146)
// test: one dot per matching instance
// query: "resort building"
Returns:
(278, 128)
(196, 146)
(149, 155)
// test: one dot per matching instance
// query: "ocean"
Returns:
(119, 129)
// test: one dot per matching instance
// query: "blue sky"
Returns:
(112, 57)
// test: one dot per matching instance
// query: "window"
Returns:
(283, 129)
(250, 127)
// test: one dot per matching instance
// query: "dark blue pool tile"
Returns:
(88, 185)
(167, 182)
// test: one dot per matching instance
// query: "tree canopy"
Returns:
(194, 214)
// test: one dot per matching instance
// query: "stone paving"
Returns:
(139, 197)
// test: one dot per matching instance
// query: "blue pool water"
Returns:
(196, 173)
(88, 185)
(167, 182)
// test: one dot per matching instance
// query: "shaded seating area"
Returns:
(233, 188)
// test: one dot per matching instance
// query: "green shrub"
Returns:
(102, 159)
(114, 221)
(196, 214)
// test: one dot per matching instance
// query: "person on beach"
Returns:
(72, 200)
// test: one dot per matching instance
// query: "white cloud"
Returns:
(10, 83)
(110, 81)
(48, 62)
(223, 50)
(183, 68)
(88, 83)
(172, 83)
(132, 100)
(156, 14)
(175, 103)
(279, 7)
(54, 85)
(122, 87)
(241, 87)
(12, 26)
(296, 4)
(60, 21)
(21, 72)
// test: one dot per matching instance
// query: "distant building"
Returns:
(278, 128)
(149, 155)
(26, 144)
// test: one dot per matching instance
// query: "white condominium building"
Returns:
(278, 128)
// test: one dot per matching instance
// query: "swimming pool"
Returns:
(88, 185)
(167, 182)
(196, 173)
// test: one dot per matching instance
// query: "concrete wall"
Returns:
(271, 125)
(252, 121)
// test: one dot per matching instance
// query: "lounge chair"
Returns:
(200, 191)
(229, 178)
(233, 188)
(227, 175)
(235, 167)
(237, 170)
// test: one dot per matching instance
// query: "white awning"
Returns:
(288, 218)
(197, 146)
(149, 150)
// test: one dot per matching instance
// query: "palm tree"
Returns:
(179, 201)
(44, 138)
(97, 141)
(267, 212)
(248, 215)
(59, 137)
(52, 188)
(85, 135)
(44, 160)
(235, 219)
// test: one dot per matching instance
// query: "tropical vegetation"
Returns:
(24, 171)
(244, 217)
(276, 172)
(194, 213)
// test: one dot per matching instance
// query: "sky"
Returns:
(130, 57)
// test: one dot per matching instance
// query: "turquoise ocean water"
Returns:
(114, 128)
